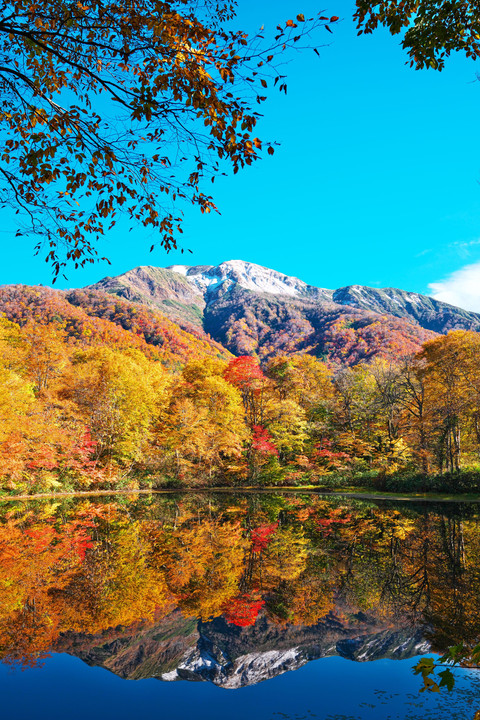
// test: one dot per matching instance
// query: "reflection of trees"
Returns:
(86, 568)
(407, 581)
(377, 555)
(454, 611)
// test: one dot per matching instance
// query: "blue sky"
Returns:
(376, 181)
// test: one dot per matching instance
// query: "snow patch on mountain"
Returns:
(208, 278)
(181, 269)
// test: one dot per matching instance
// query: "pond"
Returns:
(273, 606)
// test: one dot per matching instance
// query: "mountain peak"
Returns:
(209, 278)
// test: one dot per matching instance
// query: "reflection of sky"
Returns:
(327, 689)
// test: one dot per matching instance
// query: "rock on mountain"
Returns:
(255, 310)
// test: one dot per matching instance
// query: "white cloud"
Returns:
(461, 288)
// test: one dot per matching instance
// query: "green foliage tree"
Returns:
(433, 30)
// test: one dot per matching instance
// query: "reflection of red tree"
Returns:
(45, 538)
(261, 536)
(327, 524)
(243, 610)
(82, 542)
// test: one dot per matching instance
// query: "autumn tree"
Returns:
(301, 401)
(36, 435)
(114, 109)
(389, 403)
(16, 398)
(246, 374)
(45, 353)
(117, 394)
(202, 425)
(354, 412)
(10, 345)
(417, 411)
(452, 376)
(306, 380)
(16, 392)
(286, 422)
(367, 418)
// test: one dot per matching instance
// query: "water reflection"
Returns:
(234, 589)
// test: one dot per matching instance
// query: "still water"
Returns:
(275, 606)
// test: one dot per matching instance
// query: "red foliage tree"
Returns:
(246, 374)
(262, 442)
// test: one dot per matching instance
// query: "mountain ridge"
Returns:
(194, 282)
(254, 310)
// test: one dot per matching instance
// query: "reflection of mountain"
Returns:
(320, 561)
(231, 657)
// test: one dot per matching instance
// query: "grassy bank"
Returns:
(463, 486)
(464, 483)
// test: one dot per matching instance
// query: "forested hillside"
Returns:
(268, 325)
(99, 392)
(92, 318)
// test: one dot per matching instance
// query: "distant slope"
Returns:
(93, 318)
(267, 325)
(170, 292)
(431, 314)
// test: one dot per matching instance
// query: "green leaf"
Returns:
(447, 680)
(457, 652)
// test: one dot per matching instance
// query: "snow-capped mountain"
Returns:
(210, 278)
(251, 309)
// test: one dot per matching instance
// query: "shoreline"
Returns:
(361, 495)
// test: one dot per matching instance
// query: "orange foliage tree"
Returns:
(124, 109)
